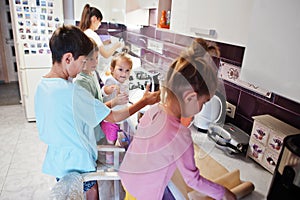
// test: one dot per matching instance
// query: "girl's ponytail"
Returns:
(85, 18)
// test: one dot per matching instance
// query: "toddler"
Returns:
(120, 68)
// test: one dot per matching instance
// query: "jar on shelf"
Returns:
(163, 20)
(168, 17)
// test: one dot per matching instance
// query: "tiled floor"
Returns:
(22, 154)
(21, 158)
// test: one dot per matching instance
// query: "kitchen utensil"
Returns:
(213, 111)
(233, 139)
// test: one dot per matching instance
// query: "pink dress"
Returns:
(161, 145)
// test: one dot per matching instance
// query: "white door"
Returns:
(8, 68)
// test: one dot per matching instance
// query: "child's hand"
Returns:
(111, 88)
(151, 97)
(118, 45)
(120, 99)
(106, 42)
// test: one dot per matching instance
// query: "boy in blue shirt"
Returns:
(66, 113)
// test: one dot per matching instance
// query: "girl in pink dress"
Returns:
(162, 143)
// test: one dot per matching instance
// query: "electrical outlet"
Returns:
(230, 109)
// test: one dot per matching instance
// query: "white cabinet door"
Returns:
(179, 16)
(230, 19)
(271, 56)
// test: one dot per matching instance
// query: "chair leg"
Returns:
(117, 189)
(116, 160)
(116, 181)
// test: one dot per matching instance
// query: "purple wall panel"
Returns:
(136, 39)
(251, 104)
(165, 36)
(149, 31)
(232, 93)
(242, 122)
(174, 49)
(183, 40)
(287, 104)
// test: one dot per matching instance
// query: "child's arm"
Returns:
(120, 99)
(109, 89)
(106, 53)
(149, 98)
(190, 173)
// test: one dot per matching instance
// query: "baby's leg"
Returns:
(92, 193)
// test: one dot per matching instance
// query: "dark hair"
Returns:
(86, 15)
(69, 39)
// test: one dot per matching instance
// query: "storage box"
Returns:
(266, 140)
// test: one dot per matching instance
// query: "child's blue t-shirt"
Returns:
(66, 115)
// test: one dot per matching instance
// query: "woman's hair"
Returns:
(121, 56)
(194, 69)
(62, 41)
(86, 15)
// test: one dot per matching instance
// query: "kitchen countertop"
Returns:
(249, 169)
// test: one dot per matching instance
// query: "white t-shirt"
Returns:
(92, 34)
(112, 81)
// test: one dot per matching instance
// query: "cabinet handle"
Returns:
(204, 32)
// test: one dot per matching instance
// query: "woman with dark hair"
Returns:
(91, 18)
